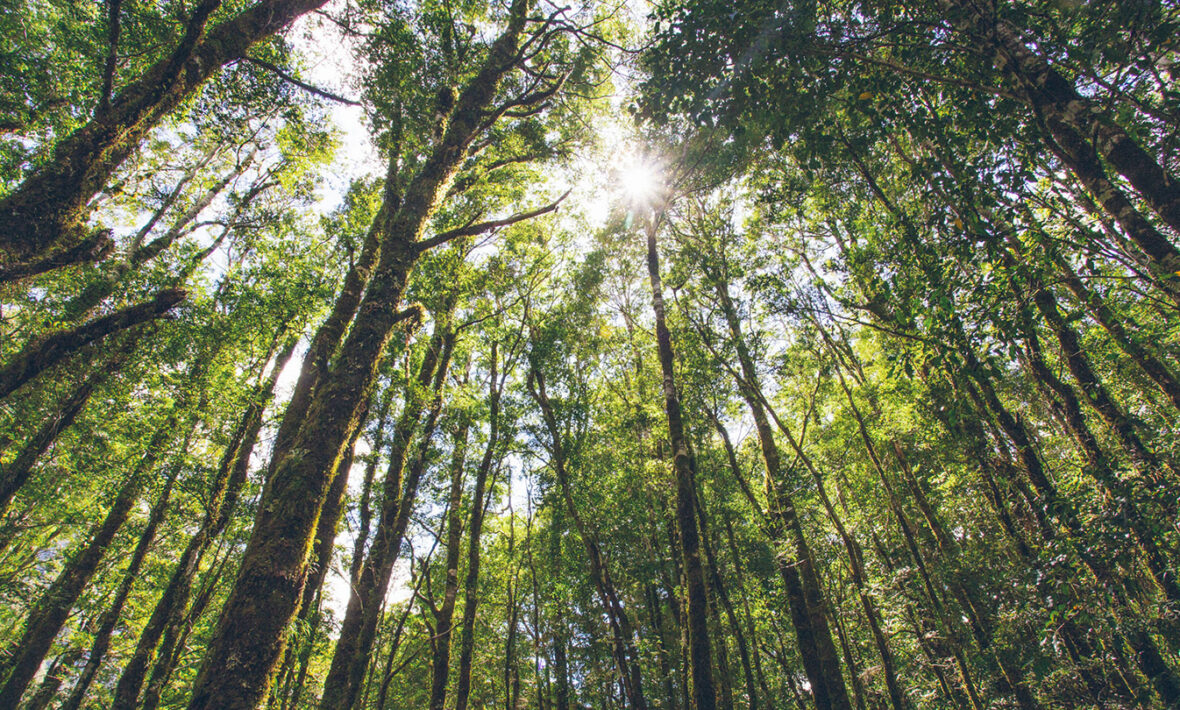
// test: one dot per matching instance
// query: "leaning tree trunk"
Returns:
(357, 631)
(110, 617)
(17, 472)
(49, 209)
(623, 649)
(226, 485)
(50, 612)
(1083, 135)
(444, 619)
(251, 632)
(801, 579)
(45, 351)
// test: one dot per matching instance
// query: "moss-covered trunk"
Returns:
(49, 209)
(45, 351)
(475, 532)
(444, 618)
(358, 631)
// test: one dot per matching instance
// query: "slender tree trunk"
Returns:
(479, 505)
(1092, 387)
(1152, 366)
(443, 620)
(230, 477)
(54, 677)
(17, 472)
(357, 632)
(365, 505)
(110, 617)
(704, 694)
(720, 592)
(252, 630)
(623, 649)
(804, 589)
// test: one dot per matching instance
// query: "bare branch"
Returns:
(481, 227)
(322, 93)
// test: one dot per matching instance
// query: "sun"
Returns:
(640, 180)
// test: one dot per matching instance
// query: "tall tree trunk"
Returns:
(227, 482)
(684, 467)
(801, 579)
(55, 676)
(110, 617)
(623, 650)
(351, 654)
(443, 620)
(1069, 120)
(17, 472)
(720, 592)
(479, 505)
(251, 632)
(1152, 366)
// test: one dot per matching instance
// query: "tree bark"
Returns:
(52, 609)
(110, 617)
(479, 505)
(49, 209)
(1070, 119)
(351, 654)
(623, 649)
(703, 692)
(227, 482)
(803, 586)
(444, 618)
(45, 351)
(16, 474)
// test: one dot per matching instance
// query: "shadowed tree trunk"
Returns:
(110, 617)
(251, 632)
(475, 531)
(358, 630)
(49, 209)
(45, 351)
(444, 618)
(17, 472)
(51, 610)
(804, 590)
(684, 467)
(227, 482)
(1083, 135)
(623, 649)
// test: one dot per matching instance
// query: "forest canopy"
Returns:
(678, 355)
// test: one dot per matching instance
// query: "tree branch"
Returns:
(108, 73)
(322, 93)
(481, 227)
